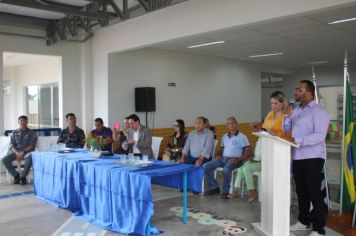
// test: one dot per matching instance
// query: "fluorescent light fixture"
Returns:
(317, 62)
(267, 55)
(342, 21)
(206, 44)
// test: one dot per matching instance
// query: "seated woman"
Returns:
(176, 142)
(273, 125)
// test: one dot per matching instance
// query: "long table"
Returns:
(109, 194)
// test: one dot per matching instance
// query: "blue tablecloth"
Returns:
(111, 195)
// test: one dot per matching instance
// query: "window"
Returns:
(42, 105)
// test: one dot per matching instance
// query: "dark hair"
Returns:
(69, 114)
(278, 95)
(205, 120)
(99, 120)
(23, 117)
(310, 86)
(134, 117)
(181, 126)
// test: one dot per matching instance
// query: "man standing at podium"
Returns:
(309, 124)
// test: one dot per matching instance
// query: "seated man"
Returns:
(235, 150)
(23, 142)
(246, 172)
(72, 136)
(199, 146)
(101, 135)
(139, 138)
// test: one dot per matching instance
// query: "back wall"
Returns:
(212, 87)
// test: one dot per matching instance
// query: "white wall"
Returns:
(45, 71)
(71, 69)
(185, 19)
(327, 76)
(207, 86)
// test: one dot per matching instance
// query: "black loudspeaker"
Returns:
(145, 99)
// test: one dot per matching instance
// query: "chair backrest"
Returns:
(215, 143)
(156, 143)
(44, 142)
(4, 145)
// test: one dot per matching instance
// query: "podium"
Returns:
(275, 186)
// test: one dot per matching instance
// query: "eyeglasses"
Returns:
(299, 90)
(175, 125)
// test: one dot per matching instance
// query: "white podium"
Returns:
(275, 186)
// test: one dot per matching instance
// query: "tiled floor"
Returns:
(27, 215)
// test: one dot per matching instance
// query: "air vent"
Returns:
(272, 81)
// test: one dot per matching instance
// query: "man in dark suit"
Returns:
(139, 137)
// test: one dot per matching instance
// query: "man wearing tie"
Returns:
(309, 124)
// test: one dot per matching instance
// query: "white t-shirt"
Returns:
(135, 138)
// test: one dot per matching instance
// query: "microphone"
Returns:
(291, 102)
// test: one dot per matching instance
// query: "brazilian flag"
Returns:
(349, 155)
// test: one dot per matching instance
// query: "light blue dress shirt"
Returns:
(309, 126)
(234, 145)
(199, 144)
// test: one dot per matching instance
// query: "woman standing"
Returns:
(273, 125)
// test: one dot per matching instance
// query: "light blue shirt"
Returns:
(234, 145)
(309, 125)
(199, 144)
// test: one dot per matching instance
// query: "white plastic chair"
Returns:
(43, 144)
(156, 143)
(258, 174)
(4, 149)
(220, 169)
(203, 182)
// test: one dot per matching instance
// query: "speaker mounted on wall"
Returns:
(145, 99)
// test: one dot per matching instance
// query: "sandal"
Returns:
(233, 195)
(252, 196)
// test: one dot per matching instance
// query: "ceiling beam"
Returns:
(23, 21)
(73, 11)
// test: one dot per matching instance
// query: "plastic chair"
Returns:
(258, 175)
(220, 169)
(43, 144)
(4, 149)
(203, 182)
(156, 143)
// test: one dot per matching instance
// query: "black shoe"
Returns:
(212, 192)
(17, 179)
(224, 196)
(196, 193)
(23, 180)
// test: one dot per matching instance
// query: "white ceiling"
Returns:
(17, 59)
(303, 39)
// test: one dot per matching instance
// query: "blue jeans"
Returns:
(10, 157)
(210, 167)
(191, 160)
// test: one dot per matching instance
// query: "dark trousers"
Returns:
(191, 160)
(308, 175)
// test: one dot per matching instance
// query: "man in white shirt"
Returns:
(139, 137)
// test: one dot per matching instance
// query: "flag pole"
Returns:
(316, 88)
(324, 168)
(343, 135)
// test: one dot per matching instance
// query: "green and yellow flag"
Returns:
(349, 155)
